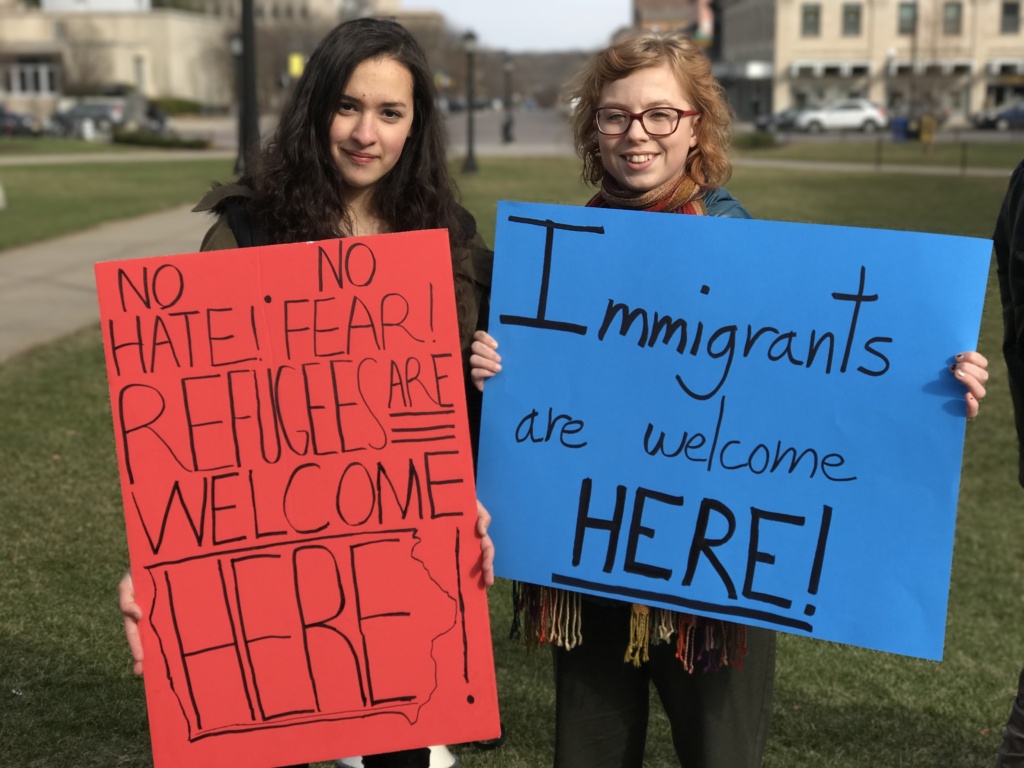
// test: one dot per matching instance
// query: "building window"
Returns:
(952, 18)
(851, 20)
(810, 20)
(34, 76)
(1010, 22)
(907, 24)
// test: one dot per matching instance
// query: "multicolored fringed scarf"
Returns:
(545, 615)
(678, 195)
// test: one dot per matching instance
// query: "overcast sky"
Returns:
(533, 25)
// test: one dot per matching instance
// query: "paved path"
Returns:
(47, 289)
(105, 158)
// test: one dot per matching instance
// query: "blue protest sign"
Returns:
(745, 419)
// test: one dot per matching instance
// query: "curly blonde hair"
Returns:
(708, 161)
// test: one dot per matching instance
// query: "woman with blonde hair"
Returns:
(652, 129)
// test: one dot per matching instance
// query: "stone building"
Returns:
(74, 46)
(954, 56)
(69, 47)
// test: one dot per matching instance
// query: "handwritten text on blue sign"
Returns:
(744, 419)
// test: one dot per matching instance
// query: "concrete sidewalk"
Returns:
(47, 289)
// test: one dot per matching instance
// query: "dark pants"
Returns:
(410, 758)
(718, 719)
(1011, 751)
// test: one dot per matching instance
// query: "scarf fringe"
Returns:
(549, 616)
(639, 635)
(543, 616)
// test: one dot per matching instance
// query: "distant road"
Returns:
(536, 133)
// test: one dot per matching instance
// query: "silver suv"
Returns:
(105, 114)
(843, 115)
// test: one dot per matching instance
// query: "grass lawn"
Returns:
(67, 696)
(48, 145)
(47, 201)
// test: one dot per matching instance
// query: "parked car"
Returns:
(1001, 118)
(780, 121)
(458, 104)
(843, 115)
(17, 124)
(104, 113)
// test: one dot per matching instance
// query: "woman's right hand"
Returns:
(484, 361)
(132, 616)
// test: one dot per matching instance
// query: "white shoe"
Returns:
(440, 757)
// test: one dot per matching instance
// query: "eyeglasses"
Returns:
(657, 121)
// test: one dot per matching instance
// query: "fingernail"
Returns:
(960, 357)
(960, 373)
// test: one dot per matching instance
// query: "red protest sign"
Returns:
(297, 482)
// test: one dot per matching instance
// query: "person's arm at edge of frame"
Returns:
(1008, 247)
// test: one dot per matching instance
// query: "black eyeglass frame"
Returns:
(680, 114)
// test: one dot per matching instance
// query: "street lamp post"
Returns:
(235, 46)
(469, 46)
(243, 47)
(890, 75)
(507, 125)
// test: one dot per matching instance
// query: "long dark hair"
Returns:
(298, 189)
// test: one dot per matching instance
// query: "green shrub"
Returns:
(756, 140)
(148, 139)
(175, 106)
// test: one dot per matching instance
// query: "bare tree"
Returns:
(87, 61)
(274, 44)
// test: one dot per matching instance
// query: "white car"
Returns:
(843, 115)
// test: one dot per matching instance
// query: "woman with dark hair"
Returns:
(332, 171)
(652, 129)
(359, 151)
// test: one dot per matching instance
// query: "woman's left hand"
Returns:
(971, 368)
(483, 522)
(484, 362)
